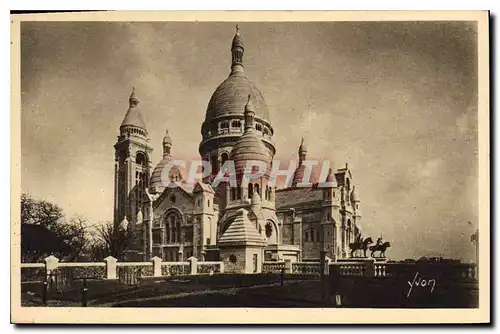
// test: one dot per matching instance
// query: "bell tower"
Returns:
(132, 165)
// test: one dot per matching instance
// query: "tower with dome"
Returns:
(242, 224)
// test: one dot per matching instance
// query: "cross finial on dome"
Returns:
(237, 29)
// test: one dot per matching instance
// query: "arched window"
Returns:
(215, 165)
(250, 190)
(223, 158)
(236, 123)
(140, 159)
(258, 127)
(266, 131)
(224, 125)
(167, 233)
(178, 232)
(256, 188)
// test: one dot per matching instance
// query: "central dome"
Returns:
(231, 96)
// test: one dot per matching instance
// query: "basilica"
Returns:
(241, 225)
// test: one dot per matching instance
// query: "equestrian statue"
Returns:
(380, 246)
(360, 244)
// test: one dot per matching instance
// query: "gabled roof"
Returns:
(200, 186)
(172, 187)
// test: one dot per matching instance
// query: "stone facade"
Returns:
(243, 225)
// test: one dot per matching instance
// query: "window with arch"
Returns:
(256, 189)
(236, 123)
(269, 229)
(215, 164)
(250, 190)
(266, 131)
(223, 158)
(258, 127)
(140, 159)
(224, 125)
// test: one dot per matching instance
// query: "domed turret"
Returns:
(167, 144)
(133, 123)
(159, 178)
(249, 147)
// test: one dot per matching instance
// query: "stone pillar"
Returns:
(221, 267)
(156, 266)
(369, 267)
(51, 263)
(110, 267)
(193, 265)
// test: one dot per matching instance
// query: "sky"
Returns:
(397, 101)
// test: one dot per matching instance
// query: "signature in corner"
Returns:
(421, 282)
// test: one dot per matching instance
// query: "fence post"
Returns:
(51, 263)
(221, 267)
(44, 291)
(156, 266)
(84, 293)
(193, 264)
(110, 267)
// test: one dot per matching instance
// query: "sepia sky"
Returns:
(397, 101)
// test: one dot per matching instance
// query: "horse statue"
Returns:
(380, 247)
(360, 245)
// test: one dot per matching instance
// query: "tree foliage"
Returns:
(46, 231)
(107, 240)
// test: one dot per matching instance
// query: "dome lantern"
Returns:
(237, 51)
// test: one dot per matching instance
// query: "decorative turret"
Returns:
(249, 146)
(302, 152)
(167, 144)
(298, 176)
(354, 196)
(133, 123)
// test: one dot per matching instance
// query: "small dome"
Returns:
(249, 146)
(159, 179)
(256, 198)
